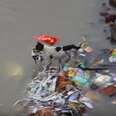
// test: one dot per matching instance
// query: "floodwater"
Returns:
(20, 19)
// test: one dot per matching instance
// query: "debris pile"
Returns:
(109, 15)
(61, 88)
(112, 3)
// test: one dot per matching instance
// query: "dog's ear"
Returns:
(58, 49)
(39, 46)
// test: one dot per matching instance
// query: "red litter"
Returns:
(109, 91)
(47, 39)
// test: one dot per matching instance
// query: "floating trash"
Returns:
(64, 89)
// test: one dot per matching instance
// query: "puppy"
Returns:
(49, 54)
(40, 47)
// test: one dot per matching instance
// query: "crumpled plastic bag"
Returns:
(79, 81)
(102, 79)
(86, 101)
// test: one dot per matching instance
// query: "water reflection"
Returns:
(13, 70)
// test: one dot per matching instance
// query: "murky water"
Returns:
(20, 19)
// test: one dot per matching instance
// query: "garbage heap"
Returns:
(108, 12)
(112, 3)
(61, 90)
